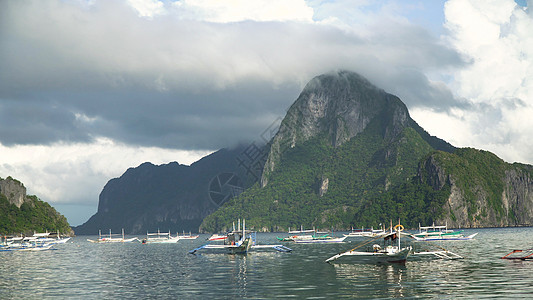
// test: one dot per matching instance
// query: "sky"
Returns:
(90, 88)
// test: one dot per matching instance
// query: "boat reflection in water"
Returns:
(391, 278)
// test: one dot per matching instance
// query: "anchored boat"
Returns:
(440, 233)
(520, 254)
(22, 244)
(390, 251)
(187, 236)
(160, 238)
(239, 242)
(111, 239)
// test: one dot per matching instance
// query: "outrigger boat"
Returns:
(111, 239)
(440, 233)
(300, 235)
(187, 237)
(359, 232)
(45, 237)
(389, 252)
(239, 242)
(321, 240)
(23, 244)
(160, 238)
(217, 237)
(520, 255)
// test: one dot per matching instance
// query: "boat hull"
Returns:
(446, 238)
(113, 240)
(321, 241)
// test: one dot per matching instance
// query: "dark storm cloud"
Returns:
(83, 70)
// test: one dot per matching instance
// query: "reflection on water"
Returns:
(360, 280)
(135, 271)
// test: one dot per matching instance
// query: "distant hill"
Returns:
(21, 213)
(348, 154)
(171, 197)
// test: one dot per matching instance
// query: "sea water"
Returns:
(83, 270)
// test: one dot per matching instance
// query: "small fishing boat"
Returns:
(22, 244)
(239, 242)
(160, 238)
(111, 239)
(301, 235)
(389, 252)
(359, 232)
(321, 240)
(26, 247)
(440, 233)
(47, 237)
(519, 255)
(217, 237)
(188, 237)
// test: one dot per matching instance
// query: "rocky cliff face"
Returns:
(518, 195)
(472, 203)
(14, 191)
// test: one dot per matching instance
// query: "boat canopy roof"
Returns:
(390, 236)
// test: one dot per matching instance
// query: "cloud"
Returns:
(75, 174)
(241, 10)
(189, 75)
(134, 76)
(495, 37)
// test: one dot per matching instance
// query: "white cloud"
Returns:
(242, 10)
(148, 8)
(496, 38)
(77, 173)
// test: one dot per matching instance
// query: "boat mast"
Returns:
(399, 235)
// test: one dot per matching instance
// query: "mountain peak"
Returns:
(338, 105)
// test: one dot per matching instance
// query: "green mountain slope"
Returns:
(348, 154)
(32, 215)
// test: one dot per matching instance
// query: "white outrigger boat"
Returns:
(440, 233)
(388, 253)
(321, 240)
(160, 238)
(300, 235)
(239, 242)
(111, 239)
(359, 232)
(23, 244)
(187, 237)
(369, 232)
(45, 237)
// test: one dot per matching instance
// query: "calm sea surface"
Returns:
(83, 270)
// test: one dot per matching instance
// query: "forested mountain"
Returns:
(348, 154)
(21, 213)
